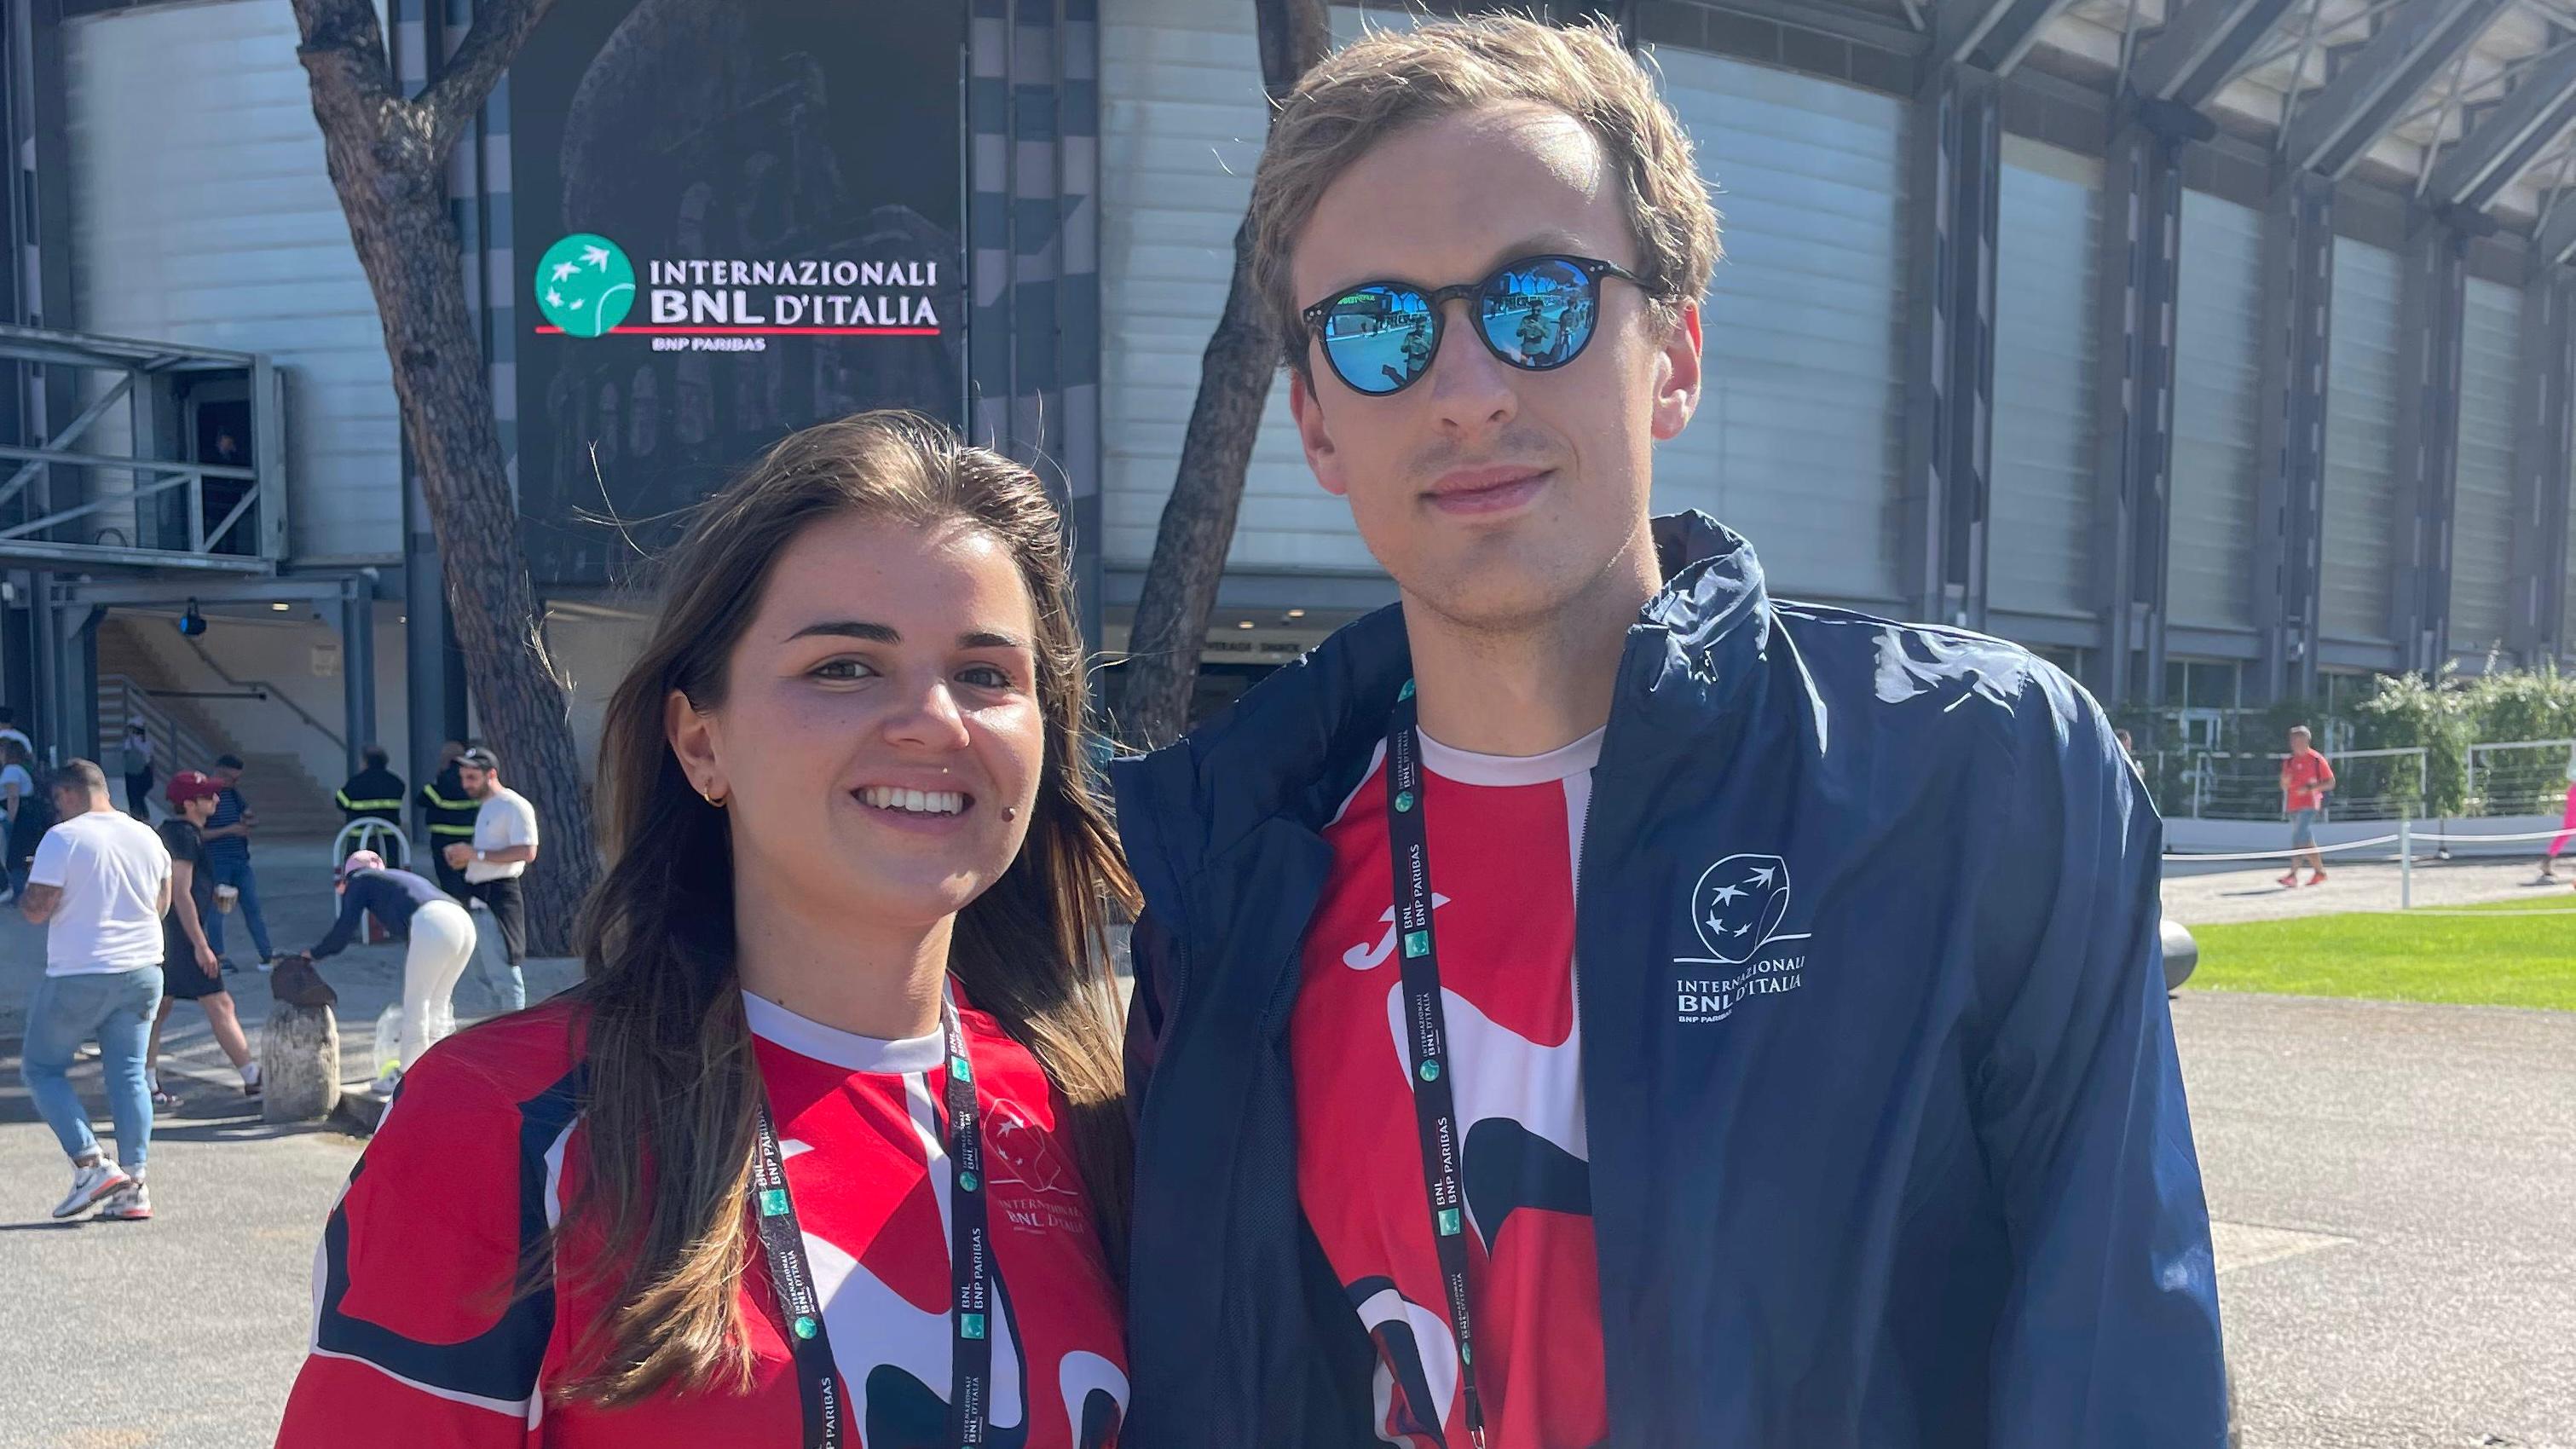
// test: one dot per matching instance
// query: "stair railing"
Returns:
(175, 746)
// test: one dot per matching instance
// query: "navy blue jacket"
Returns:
(391, 895)
(1931, 1185)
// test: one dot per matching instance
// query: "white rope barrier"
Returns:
(2483, 915)
(2282, 854)
(2495, 839)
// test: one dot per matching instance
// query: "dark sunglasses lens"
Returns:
(1538, 314)
(1379, 338)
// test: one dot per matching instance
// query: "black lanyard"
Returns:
(970, 1268)
(1427, 1022)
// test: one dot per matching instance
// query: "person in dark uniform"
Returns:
(190, 970)
(449, 813)
(374, 793)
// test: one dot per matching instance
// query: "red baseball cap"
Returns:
(190, 785)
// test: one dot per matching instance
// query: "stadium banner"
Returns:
(730, 219)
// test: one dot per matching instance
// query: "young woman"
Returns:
(190, 970)
(439, 940)
(828, 1147)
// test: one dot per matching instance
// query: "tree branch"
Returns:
(499, 30)
(343, 49)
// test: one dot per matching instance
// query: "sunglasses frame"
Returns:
(1436, 303)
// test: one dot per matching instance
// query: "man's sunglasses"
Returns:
(1536, 314)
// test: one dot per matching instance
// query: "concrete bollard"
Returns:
(299, 1063)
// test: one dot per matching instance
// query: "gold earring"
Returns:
(716, 801)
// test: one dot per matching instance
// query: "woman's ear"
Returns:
(692, 734)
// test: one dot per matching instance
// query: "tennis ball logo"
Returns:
(585, 285)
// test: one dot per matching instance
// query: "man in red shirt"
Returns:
(2305, 779)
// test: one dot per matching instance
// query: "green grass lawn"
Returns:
(2502, 954)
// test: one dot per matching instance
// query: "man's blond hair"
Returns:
(1389, 79)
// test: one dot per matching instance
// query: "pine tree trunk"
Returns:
(388, 159)
(1197, 529)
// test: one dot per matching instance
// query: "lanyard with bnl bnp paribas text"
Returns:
(970, 1267)
(1426, 1028)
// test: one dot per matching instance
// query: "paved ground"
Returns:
(2395, 1188)
(183, 1332)
(2397, 1192)
(2199, 896)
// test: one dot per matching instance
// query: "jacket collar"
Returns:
(1296, 743)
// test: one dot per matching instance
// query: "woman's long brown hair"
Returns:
(673, 1093)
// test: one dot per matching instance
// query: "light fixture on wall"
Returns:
(281, 608)
(192, 623)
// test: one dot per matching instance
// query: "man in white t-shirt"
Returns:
(505, 842)
(99, 887)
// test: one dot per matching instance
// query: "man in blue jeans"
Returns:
(99, 887)
(227, 838)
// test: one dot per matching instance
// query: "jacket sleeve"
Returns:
(1149, 950)
(2110, 1333)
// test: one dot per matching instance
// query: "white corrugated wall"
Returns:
(1799, 439)
(2218, 400)
(1181, 123)
(2361, 444)
(201, 213)
(2048, 246)
(2482, 506)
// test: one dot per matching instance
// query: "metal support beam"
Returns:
(356, 621)
(2510, 136)
(2335, 127)
(2298, 291)
(2544, 451)
(1993, 35)
(2432, 298)
(2555, 242)
(2132, 511)
(2190, 60)
(1950, 364)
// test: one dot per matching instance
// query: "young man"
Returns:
(2306, 776)
(227, 841)
(505, 841)
(1722, 1021)
(100, 885)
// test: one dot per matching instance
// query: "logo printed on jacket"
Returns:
(1738, 911)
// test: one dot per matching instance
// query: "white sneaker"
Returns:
(90, 1182)
(131, 1203)
(383, 1086)
(250, 1076)
(267, 964)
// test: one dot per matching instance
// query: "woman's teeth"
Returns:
(919, 802)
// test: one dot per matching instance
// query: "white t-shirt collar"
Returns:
(809, 1038)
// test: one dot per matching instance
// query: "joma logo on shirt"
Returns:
(1366, 957)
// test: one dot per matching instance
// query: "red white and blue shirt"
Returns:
(1506, 838)
(414, 1342)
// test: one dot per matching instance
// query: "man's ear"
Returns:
(1677, 375)
(1313, 435)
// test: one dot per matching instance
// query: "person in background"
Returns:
(9, 731)
(18, 796)
(442, 940)
(138, 771)
(2567, 824)
(2128, 746)
(227, 838)
(494, 863)
(2306, 777)
(447, 817)
(191, 969)
(374, 793)
(100, 886)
